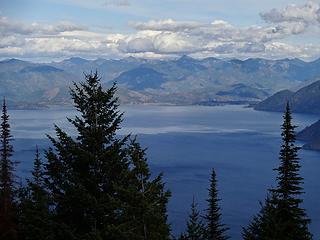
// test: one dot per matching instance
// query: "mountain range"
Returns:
(305, 100)
(176, 81)
(311, 135)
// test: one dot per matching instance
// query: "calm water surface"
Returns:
(185, 143)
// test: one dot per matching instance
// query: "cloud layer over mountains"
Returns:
(167, 37)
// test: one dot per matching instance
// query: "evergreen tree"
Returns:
(34, 213)
(215, 230)
(195, 227)
(84, 172)
(282, 216)
(86, 175)
(262, 223)
(145, 200)
(182, 237)
(291, 218)
(8, 228)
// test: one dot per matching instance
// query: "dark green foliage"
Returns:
(182, 237)
(8, 227)
(262, 223)
(99, 184)
(145, 200)
(291, 218)
(195, 227)
(282, 217)
(84, 173)
(34, 215)
(215, 230)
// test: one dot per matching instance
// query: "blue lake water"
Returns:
(185, 143)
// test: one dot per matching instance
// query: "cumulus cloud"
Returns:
(165, 25)
(137, 45)
(168, 37)
(13, 27)
(173, 37)
(9, 26)
(6, 41)
(308, 13)
(61, 39)
(224, 39)
(160, 42)
(294, 19)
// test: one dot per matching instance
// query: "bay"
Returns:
(185, 143)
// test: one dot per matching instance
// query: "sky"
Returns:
(50, 30)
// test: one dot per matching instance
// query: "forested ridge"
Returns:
(98, 186)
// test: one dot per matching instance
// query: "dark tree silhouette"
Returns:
(86, 175)
(215, 229)
(282, 216)
(8, 227)
(195, 227)
(145, 199)
(34, 213)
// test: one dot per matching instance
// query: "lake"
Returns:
(185, 143)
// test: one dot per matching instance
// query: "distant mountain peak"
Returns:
(12, 60)
(183, 80)
(41, 69)
(311, 135)
(185, 58)
(305, 100)
(76, 60)
(134, 59)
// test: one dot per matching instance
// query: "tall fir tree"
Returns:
(86, 175)
(262, 223)
(145, 200)
(8, 226)
(195, 227)
(215, 229)
(84, 172)
(291, 218)
(282, 216)
(34, 213)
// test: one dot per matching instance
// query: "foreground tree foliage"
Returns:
(195, 227)
(34, 213)
(8, 207)
(145, 200)
(209, 226)
(281, 216)
(215, 229)
(261, 224)
(100, 184)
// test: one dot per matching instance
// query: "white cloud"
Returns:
(9, 26)
(294, 19)
(308, 13)
(6, 41)
(61, 39)
(165, 25)
(137, 45)
(167, 37)
(13, 27)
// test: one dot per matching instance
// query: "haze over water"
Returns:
(185, 143)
